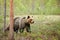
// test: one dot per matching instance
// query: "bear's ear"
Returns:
(32, 16)
(28, 17)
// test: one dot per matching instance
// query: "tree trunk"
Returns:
(11, 33)
(4, 14)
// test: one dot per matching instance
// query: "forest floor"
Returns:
(45, 27)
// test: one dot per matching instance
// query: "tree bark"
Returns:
(4, 14)
(11, 33)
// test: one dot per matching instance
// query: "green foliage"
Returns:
(33, 7)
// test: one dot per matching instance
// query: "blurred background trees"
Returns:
(33, 6)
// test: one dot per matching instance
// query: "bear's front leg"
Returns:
(28, 29)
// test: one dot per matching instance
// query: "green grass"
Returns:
(44, 28)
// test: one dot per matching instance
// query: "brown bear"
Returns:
(22, 23)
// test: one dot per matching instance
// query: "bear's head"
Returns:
(30, 19)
